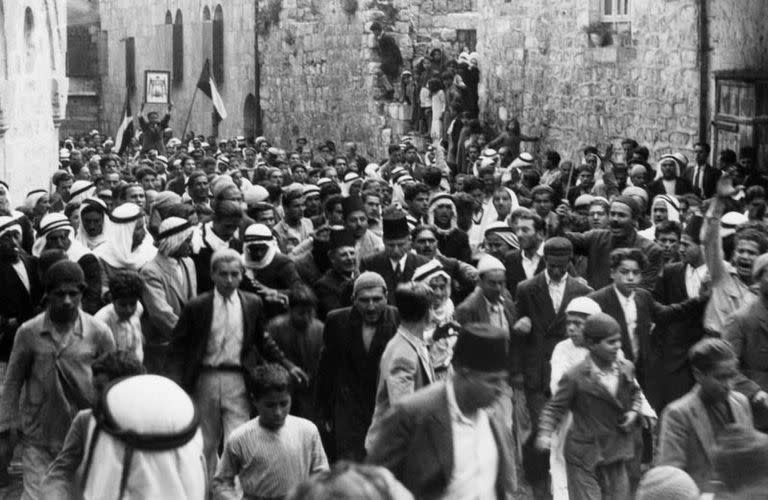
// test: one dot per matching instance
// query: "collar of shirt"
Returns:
(700, 271)
(553, 283)
(623, 299)
(50, 327)
(400, 262)
(537, 255)
(220, 299)
(611, 370)
(453, 406)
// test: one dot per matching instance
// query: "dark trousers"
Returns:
(606, 482)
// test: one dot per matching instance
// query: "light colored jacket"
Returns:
(164, 295)
(405, 368)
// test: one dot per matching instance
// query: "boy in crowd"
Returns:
(273, 452)
(605, 400)
(123, 315)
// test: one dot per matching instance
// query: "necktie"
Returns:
(697, 180)
(398, 273)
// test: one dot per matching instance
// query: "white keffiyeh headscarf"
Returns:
(118, 231)
(91, 205)
(53, 222)
(259, 234)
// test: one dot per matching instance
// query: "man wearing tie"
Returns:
(702, 176)
(637, 312)
(396, 263)
(541, 303)
(219, 336)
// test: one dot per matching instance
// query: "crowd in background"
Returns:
(191, 316)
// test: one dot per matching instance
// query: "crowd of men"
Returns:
(227, 318)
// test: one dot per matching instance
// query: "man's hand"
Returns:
(725, 187)
(628, 421)
(543, 443)
(299, 376)
(523, 325)
(761, 398)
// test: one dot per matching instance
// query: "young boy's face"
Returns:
(273, 408)
(125, 307)
(607, 349)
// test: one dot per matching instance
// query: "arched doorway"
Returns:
(250, 117)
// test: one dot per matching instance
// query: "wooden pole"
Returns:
(189, 114)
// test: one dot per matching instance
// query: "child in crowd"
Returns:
(123, 315)
(605, 400)
(273, 452)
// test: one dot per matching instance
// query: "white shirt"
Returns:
(629, 307)
(496, 315)
(669, 186)
(556, 290)
(21, 270)
(225, 343)
(399, 263)
(609, 378)
(694, 276)
(475, 456)
(530, 265)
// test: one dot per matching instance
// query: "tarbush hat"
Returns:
(395, 227)
(352, 204)
(481, 347)
(340, 237)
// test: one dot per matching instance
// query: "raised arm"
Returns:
(710, 236)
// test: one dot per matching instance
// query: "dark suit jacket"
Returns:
(513, 261)
(598, 244)
(709, 183)
(686, 440)
(331, 291)
(548, 326)
(649, 312)
(655, 188)
(16, 301)
(676, 338)
(594, 437)
(474, 309)
(202, 261)
(415, 442)
(346, 379)
(191, 334)
(176, 185)
(380, 263)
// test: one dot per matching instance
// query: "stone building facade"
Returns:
(312, 69)
(33, 90)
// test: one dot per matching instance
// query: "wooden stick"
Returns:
(189, 114)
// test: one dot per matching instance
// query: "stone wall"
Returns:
(144, 20)
(539, 66)
(33, 91)
(318, 66)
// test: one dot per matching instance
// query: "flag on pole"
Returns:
(208, 87)
(125, 130)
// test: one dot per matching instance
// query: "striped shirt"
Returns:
(269, 462)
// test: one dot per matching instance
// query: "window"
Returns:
(615, 11)
(217, 57)
(207, 33)
(178, 49)
(466, 39)
(168, 17)
(29, 41)
(130, 63)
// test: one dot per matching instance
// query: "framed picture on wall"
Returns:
(157, 87)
